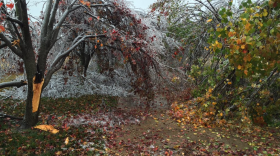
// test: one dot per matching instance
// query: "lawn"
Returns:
(38, 142)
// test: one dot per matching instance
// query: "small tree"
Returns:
(80, 28)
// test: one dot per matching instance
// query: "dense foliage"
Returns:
(231, 56)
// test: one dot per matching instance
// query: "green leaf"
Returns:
(222, 11)
(271, 31)
(229, 13)
(259, 43)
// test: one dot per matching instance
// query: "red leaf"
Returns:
(90, 19)
(1, 4)
(2, 28)
(88, 4)
(10, 5)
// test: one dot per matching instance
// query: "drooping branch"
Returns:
(13, 84)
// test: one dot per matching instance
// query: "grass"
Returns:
(38, 142)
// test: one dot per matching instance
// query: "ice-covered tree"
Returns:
(71, 31)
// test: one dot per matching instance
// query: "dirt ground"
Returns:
(160, 134)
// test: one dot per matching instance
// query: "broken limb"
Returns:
(13, 84)
(9, 116)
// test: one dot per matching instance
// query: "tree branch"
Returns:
(53, 12)
(213, 11)
(9, 44)
(15, 21)
(12, 84)
(46, 20)
(3, 45)
(57, 63)
(74, 45)
(9, 116)
(255, 93)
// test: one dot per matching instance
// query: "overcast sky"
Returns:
(138, 4)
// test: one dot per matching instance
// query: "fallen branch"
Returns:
(12, 84)
(9, 116)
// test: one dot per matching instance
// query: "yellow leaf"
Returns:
(66, 140)
(58, 153)
(243, 46)
(219, 45)
(243, 38)
(176, 147)
(247, 58)
(247, 26)
(209, 20)
(246, 72)
(221, 114)
(238, 41)
(229, 83)
(265, 12)
(230, 34)
(213, 103)
(49, 128)
(239, 67)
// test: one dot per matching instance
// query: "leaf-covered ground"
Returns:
(100, 127)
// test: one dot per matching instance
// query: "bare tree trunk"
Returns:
(31, 117)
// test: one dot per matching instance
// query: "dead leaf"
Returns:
(66, 140)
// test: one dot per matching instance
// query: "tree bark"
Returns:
(13, 84)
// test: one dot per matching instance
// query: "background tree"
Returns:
(72, 30)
